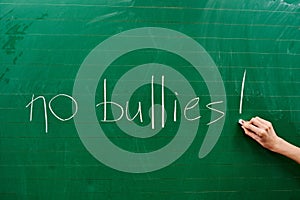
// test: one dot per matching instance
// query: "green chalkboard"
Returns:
(141, 99)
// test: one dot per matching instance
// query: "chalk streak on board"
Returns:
(162, 102)
(242, 92)
(104, 99)
(180, 8)
(152, 102)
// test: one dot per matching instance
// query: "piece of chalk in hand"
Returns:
(241, 121)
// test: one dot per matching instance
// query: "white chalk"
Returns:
(242, 92)
(241, 121)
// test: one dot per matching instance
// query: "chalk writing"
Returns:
(33, 99)
(187, 108)
(242, 92)
(192, 104)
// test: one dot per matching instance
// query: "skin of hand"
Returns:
(262, 131)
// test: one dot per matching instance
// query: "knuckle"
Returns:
(262, 133)
(269, 125)
(246, 125)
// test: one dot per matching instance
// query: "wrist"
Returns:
(287, 149)
(278, 147)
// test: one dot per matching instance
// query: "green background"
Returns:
(43, 44)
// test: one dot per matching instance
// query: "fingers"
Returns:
(263, 121)
(258, 122)
(251, 134)
(257, 126)
(261, 131)
(254, 129)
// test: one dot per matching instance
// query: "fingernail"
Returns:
(241, 121)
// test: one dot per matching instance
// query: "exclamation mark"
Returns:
(163, 101)
(242, 92)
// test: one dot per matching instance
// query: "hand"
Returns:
(262, 132)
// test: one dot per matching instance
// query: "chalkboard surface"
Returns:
(140, 99)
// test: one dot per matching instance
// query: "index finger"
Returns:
(267, 123)
(259, 123)
(252, 128)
